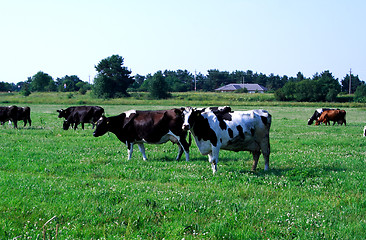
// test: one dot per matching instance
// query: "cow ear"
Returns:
(178, 112)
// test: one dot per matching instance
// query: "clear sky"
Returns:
(282, 37)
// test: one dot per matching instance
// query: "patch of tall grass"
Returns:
(177, 99)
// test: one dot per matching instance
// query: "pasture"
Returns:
(315, 188)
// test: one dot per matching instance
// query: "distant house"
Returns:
(252, 87)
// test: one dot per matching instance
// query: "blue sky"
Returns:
(281, 37)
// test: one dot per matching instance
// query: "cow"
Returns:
(15, 114)
(364, 131)
(220, 128)
(153, 127)
(317, 114)
(80, 114)
(338, 116)
(4, 115)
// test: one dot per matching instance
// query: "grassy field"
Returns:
(87, 188)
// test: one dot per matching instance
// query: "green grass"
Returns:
(314, 190)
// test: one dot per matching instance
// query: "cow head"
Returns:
(61, 113)
(101, 127)
(66, 125)
(190, 114)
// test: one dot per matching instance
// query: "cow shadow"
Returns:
(294, 172)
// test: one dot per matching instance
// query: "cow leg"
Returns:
(142, 150)
(30, 121)
(183, 147)
(15, 123)
(129, 150)
(180, 152)
(256, 155)
(213, 158)
(266, 150)
(82, 125)
(213, 163)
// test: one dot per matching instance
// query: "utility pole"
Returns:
(195, 80)
(350, 81)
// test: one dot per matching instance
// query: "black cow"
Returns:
(155, 127)
(15, 114)
(80, 114)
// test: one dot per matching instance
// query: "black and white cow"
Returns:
(80, 114)
(317, 114)
(139, 127)
(15, 114)
(220, 128)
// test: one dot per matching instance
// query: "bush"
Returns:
(159, 87)
(360, 93)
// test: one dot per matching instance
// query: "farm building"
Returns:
(252, 87)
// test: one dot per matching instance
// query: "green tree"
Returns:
(216, 79)
(42, 82)
(158, 87)
(68, 83)
(360, 93)
(327, 87)
(179, 81)
(355, 82)
(112, 79)
(4, 87)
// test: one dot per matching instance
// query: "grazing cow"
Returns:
(4, 115)
(155, 127)
(317, 114)
(338, 116)
(220, 128)
(80, 114)
(15, 114)
(364, 131)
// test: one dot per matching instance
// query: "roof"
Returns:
(252, 87)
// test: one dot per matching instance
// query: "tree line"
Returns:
(114, 80)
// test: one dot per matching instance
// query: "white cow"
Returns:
(220, 128)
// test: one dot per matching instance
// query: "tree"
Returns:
(355, 82)
(179, 81)
(158, 87)
(112, 79)
(328, 87)
(323, 88)
(360, 93)
(5, 87)
(68, 83)
(42, 82)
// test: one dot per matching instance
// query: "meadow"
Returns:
(71, 185)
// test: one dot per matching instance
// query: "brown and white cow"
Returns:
(220, 128)
(15, 114)
(338, 116)
(80, 114)
(139, 127)
(317, 114)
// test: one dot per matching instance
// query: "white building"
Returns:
(251, 87)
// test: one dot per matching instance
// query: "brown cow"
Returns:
(153, 127)
(338, 116)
